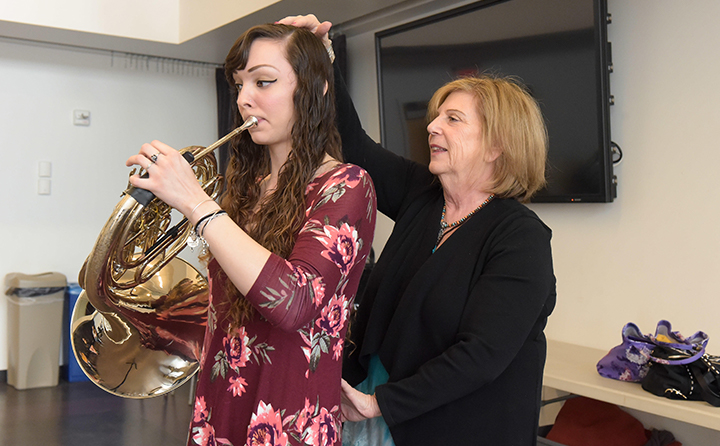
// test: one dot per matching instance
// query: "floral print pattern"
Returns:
(266, 428)
(204, 433)
(276, 379)
(314, 425)
(342, 244)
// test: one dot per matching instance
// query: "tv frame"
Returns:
(607, 190)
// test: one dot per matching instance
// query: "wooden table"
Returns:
(571, 368)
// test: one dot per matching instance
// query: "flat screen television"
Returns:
(557, 48)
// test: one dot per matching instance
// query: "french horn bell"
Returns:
(137, 327)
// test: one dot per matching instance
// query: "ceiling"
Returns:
(350, 16)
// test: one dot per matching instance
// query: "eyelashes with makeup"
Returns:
(259, 84)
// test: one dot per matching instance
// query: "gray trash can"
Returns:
(35, 311)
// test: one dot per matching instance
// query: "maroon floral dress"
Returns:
(276, 380)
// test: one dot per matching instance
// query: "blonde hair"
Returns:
(511, 122)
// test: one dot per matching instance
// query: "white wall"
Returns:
(654, 253)
(41, 86)
(157, 20)
(170, 21)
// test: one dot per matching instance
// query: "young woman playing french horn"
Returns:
(288, 242)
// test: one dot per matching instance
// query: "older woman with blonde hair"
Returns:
(447, 346)
(512, 123)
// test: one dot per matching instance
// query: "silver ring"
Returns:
(148, 167)
(154, 158)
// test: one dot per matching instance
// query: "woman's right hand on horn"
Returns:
(170, 176)
(310, 22)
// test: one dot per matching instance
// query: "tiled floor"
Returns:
(83, 414)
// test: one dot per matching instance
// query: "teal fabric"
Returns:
(373, 431)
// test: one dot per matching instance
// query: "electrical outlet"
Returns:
(81, 117)
(44, 186)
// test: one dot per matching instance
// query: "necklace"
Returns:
(445, 227)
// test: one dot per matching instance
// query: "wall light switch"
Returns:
(44, 186)
(81, 117)
(45, 169)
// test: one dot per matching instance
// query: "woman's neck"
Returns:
(278, 156)
(328, 163)
(459, 204)
(464, 193)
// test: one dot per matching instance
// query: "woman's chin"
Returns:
(435, 167)
(258, 139)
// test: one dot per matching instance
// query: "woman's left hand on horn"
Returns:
(170, 176)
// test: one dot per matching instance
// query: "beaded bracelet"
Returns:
(195, 239)
(205, 217)
(211, 218)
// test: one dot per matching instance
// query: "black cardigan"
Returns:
(460, 331)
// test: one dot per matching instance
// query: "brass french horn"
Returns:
(138, 325)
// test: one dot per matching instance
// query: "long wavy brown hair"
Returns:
(274, 220)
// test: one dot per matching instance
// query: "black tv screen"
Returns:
(557, 48)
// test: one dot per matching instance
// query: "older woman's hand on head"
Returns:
(310, 22)
(357, 406)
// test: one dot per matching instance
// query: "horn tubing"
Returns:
(144, 196)
(249, 122)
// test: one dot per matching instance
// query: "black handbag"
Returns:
(679, 374)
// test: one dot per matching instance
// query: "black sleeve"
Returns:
(507, 306)
(396, 179)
